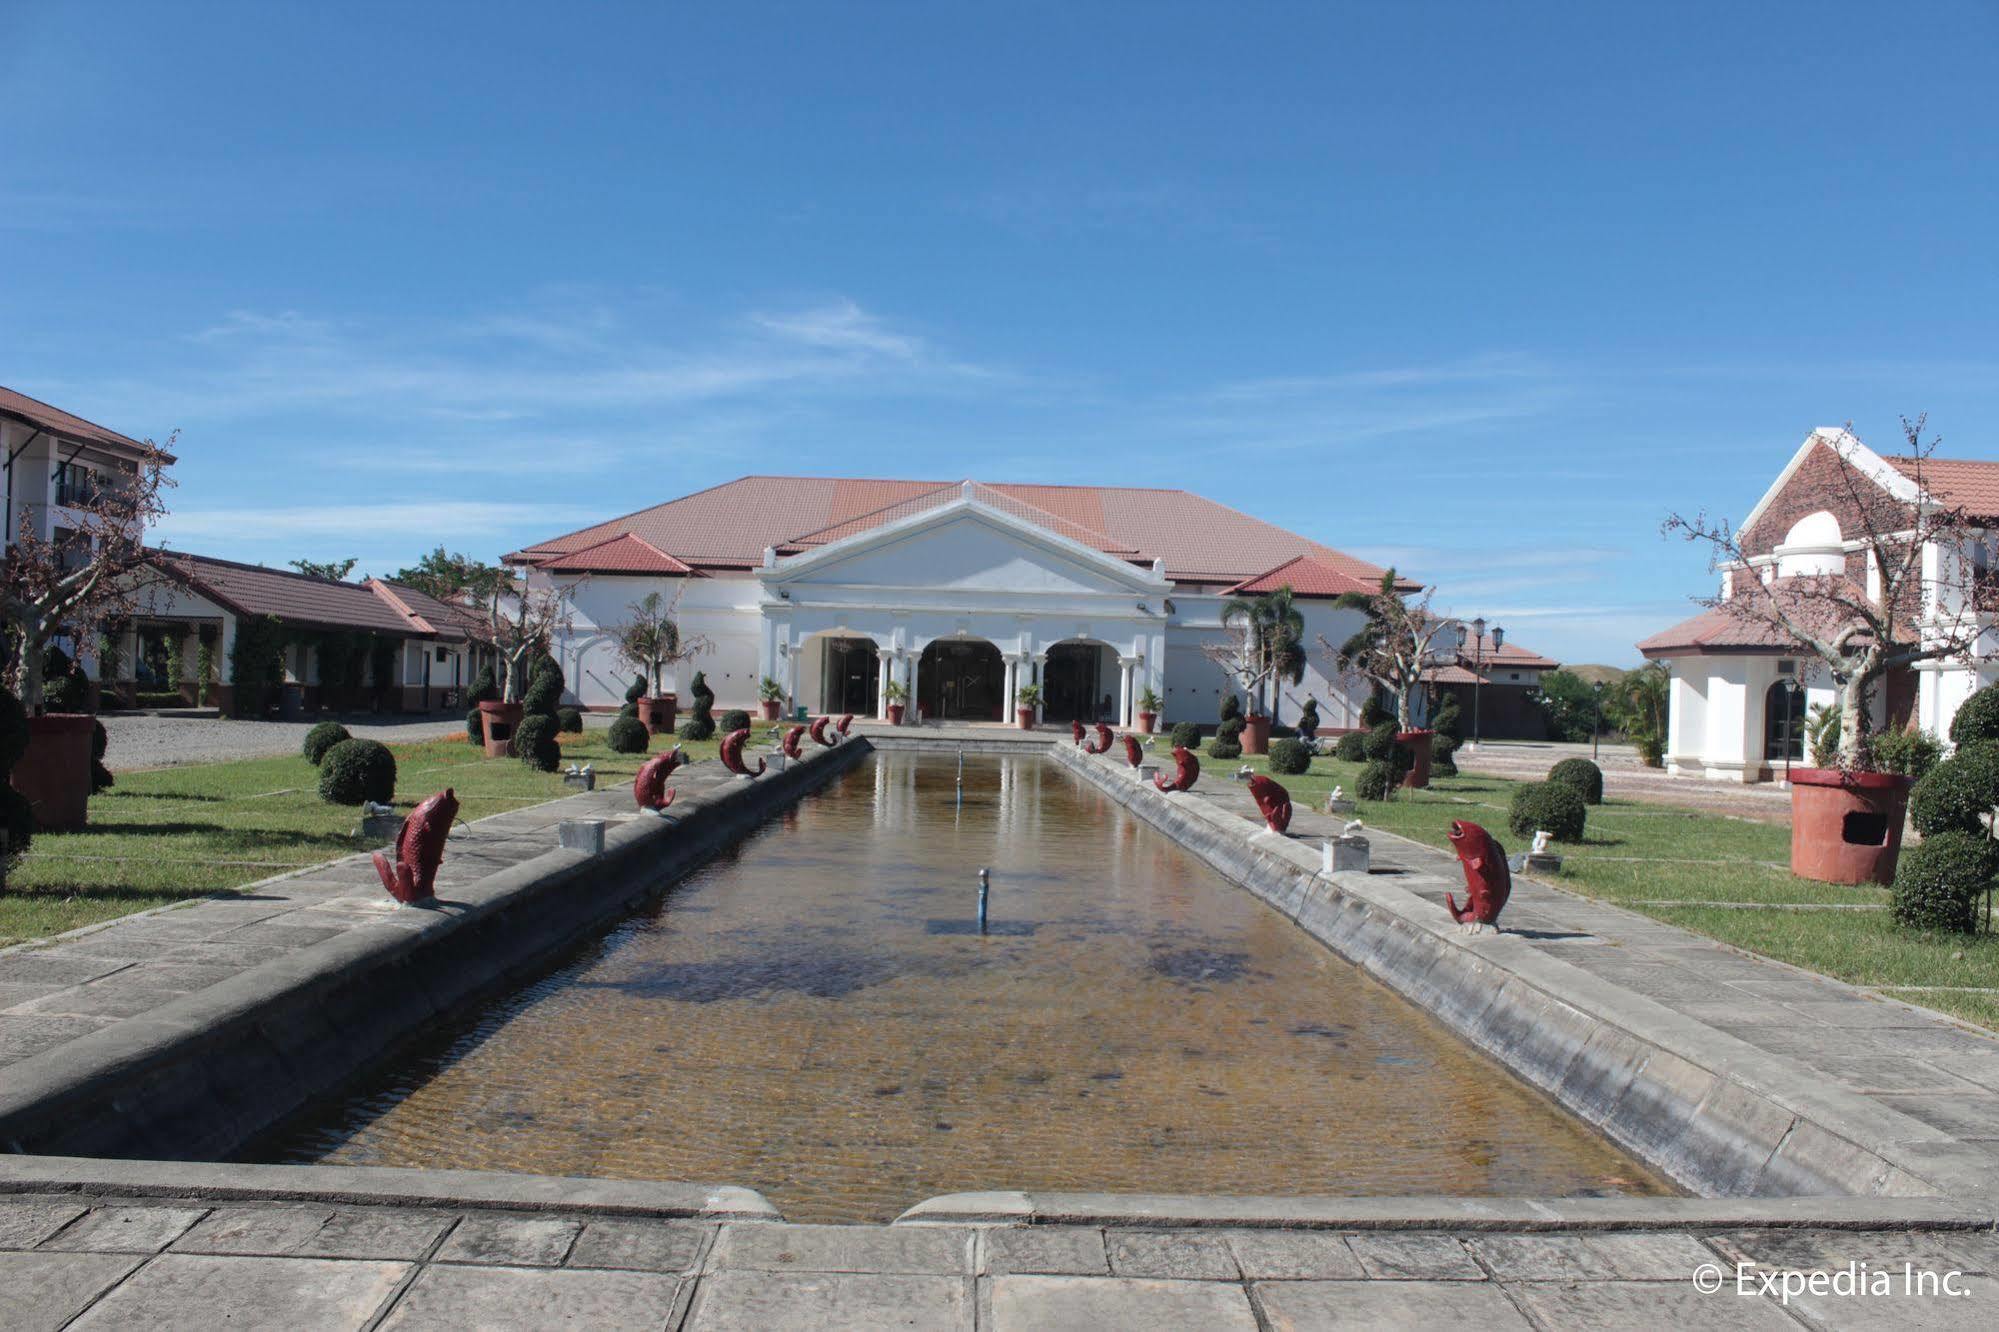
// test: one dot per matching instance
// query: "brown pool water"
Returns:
(814, 1015)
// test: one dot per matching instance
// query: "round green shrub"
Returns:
(1351, 747)
(629, 736)
(1378, 780)
(535, 743)
(1186, 736)
(735, 719)
(100, 741)
(1556, 807)
(694, 728)
(322, 738)
(1957, 791)
(570, 721)
(1977, 718)
(1939, 880)
(1582, 774)
(1225, 746)
(1289, 757)
(357, 770)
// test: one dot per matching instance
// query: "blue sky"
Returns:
(1480, 290)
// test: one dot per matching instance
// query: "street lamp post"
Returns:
(1478, 668)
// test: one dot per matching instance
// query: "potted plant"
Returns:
(650, 640)
(1026, 700)
(1148, 710)
(895, 694)
(771, 695)
(1396, 645)
(1262, 651)
(1846, 811)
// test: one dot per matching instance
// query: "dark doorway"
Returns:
(850, 676)
(1073, 684)
(1784, 722)
(961, 678)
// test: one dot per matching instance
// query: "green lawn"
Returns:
(175, 833)
(1679, 865)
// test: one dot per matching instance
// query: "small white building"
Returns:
(959, 591)
(1742, 691)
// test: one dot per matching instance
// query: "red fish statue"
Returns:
(1488, 882)
(791, 739)
(419, 849)
(732, 754)
(1133, 751)
(818, 731)
(1186, 771)
(649, 788)
(1076, 730)
(1103, 741)
(1272, 801)
(846, 720)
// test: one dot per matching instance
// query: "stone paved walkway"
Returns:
(165, 1264)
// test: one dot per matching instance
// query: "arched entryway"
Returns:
(1079, 682)
(961, 679)
(848, 670)
(1784, 722)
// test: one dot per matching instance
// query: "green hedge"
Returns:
(1557, 807)
(1978, 717)
(322, 738)
(629, 736)
(735, 719)
(1289, 757)
(1582, 774)
(1186, 736)
(1940, 881)
(1351, 747)
(357, 770)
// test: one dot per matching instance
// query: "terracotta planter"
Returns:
(54, 773)
(1146, 721)
(1255, 734)
(1419, 744)
(657, 713)
(1846, 827)
(770, 707)
(895, 714)
(1024, 718)
(498, 721)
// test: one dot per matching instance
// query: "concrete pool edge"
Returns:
(200, 1076)
(1711, 1112)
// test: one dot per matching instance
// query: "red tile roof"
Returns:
(621, 554)
(1719, 629)
(316, 603)
(728, 526)
(66, 425)
(1306, 577)
(1956, 482)
(425, 613)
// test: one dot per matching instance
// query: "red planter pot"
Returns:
(895, 714)
(54, 773)
(770, 707)
(498, 721)
(1419, 744)
(657, 713)
(1146, 721)
(1846, 827)
(1024, 718)
(1255, 734)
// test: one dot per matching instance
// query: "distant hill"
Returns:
(1595, 674)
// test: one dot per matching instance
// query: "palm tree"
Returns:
(1274, 632)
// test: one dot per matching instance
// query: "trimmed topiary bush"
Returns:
(1374, 712)
(475, 730)
(1939, 880)
(322, 738)
(1582, 774)
(570, 721)
(1351, 747)
(17, 816)
(1289, 757)
(1957, 791)
(1378, 741)
(735, 719)
(357, 770)
(1308, 718)
(1378, 780)
(629, 736)
(700, 724)
(1554, 806)
(1186, 736)
(535, 743)
(543, 695)
(635, 692)
(100, 776)
(1443, 765)
(1227, 743)
(1978, 718)
(485, 689)
(1231, 708)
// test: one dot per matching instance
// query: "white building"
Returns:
(960, 591)
(1741, 691)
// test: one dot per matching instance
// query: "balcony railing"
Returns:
(76, 494)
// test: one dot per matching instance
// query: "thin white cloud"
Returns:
(842, 326)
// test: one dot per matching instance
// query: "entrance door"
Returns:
(851, 676)
(1784, 722)
(961, 678)
(1072, 684)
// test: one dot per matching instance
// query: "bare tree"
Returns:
(651, 639)
(97, 569)
(520, 620)
(1859, 634)
(1261, 649)
(1395, 646)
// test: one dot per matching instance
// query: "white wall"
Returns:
(722, 609)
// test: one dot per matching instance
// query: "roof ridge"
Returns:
(94, 425)
(895, 504)
(1116, 547)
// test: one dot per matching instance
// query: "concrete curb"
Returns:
(380, 1186)
(199, 1077)
(1712, 1112)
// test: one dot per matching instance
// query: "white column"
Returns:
(909, 660)
(1124, 665)
(791, 679)
(883, 656)
(1007, 685)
